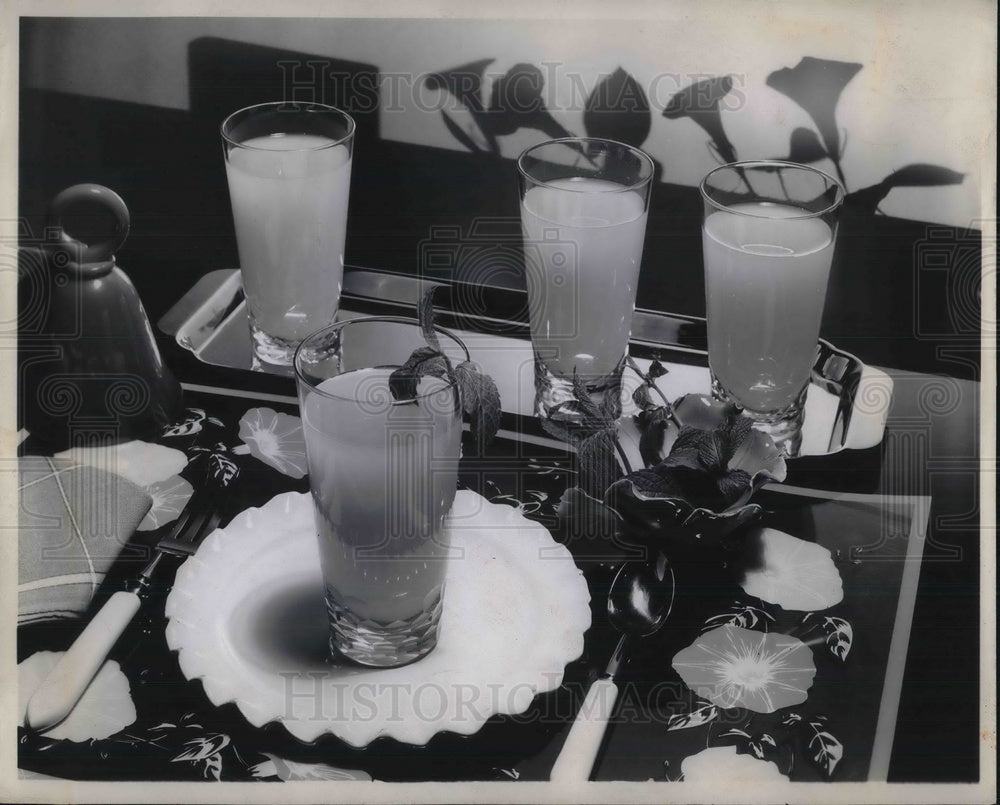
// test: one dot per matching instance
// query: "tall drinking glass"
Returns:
(383, 475)
(289, 171)
(583, 216)
(768, 237)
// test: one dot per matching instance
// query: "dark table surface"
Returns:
(927, 451)
(882, 305)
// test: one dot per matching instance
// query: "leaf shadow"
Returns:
(866, 201)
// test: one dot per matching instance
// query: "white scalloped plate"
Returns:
(247, 618)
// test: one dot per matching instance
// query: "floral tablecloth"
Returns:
(777, 660)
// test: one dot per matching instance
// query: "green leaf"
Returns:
(652, 424)
(642, 398)
(222, 468)
(422, 361)
(696, 718)
(923, 175)
(687, 450)
(867, 200)
(481, 401)
(591, 412)
(742, 616)
(839, 636)
(656, 369)
(737, 428)
(588, 516)
(712, 450)
(598, 465)
(804, 147)
(611, 403)
(425, 313)
(694, 486)
(827, 750)
(618, 108)
(733, 486)
(556, 428)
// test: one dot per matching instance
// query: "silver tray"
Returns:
(846, 406)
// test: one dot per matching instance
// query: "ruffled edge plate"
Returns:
(515, 611)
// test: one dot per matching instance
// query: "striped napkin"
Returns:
(73, 521)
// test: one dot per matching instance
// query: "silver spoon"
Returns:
(639, 603)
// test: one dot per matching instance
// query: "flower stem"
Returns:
(840, 173)
(621, 453)
(650, 383)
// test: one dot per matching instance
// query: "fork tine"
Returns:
(212, 524)
(200, 524)
(181, 523)
(195, 504)
(196, 526)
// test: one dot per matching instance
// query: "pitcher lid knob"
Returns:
(90, 223)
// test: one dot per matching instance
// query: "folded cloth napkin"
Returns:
(73, 521)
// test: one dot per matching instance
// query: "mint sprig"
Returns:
(478, 393)
(653, 417)
(591, 426)
(480, 402)
(422, 361)
(425, 315)
(652, 423)
(598, 463)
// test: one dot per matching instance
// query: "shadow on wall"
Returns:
(907, 295)
(225, 75)
(618, 109)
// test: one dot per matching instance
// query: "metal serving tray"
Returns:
(846, 406)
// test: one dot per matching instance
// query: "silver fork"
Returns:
(68, 680)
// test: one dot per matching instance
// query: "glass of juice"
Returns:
(583, 217)
(768, 237)
(383, 475)
(289, 172)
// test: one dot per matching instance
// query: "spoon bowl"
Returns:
(641, 597)
(639, 603)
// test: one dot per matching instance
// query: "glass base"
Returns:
(783, 426)
(271, 353)
(384, 645)
(555, 395)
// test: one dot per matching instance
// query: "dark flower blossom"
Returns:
(465, 84)
(700, 491)
(715, 468)
(701, 102)
(516, 102)
(816, 85)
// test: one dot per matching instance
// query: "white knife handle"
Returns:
(66, 683)
(577, 756)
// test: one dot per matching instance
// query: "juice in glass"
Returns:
(383, 475)
(765, 285)
(583, 248)
(289, 196)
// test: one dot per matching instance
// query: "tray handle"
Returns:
(871, 409)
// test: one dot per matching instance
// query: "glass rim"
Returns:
(450, 382)
(304, 106)
(643, 157)
(773, 163)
